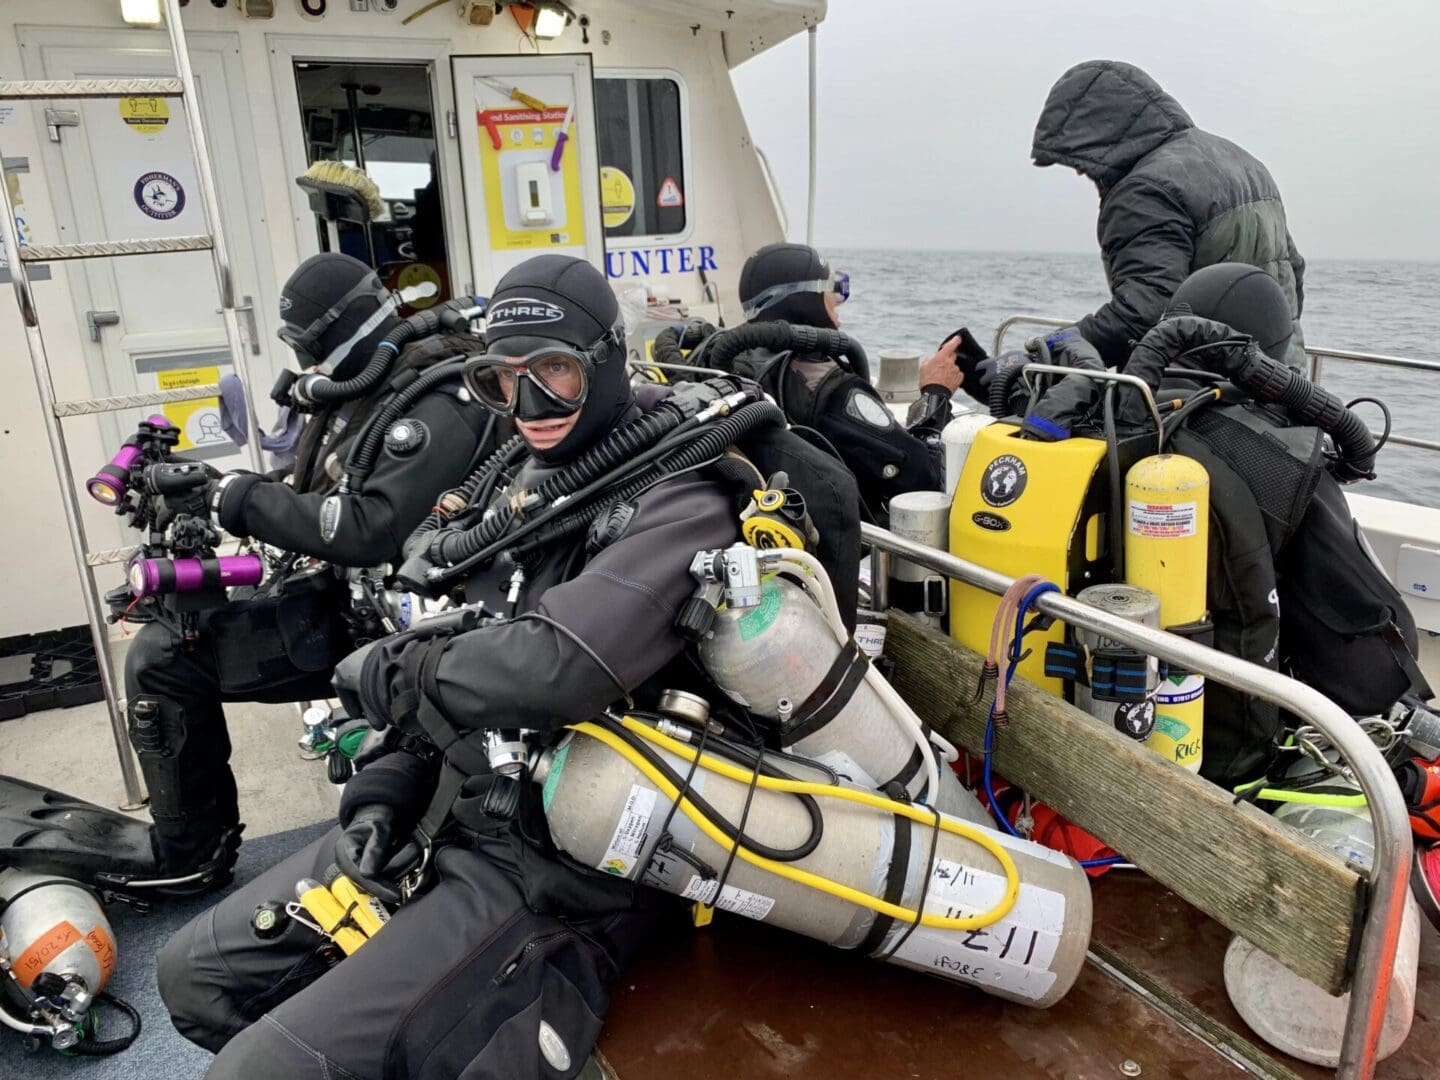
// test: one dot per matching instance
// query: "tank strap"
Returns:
(833, 694)
(1393, 638)
(895, 878)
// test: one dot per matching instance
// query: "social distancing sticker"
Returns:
(145, 115)
(617, 197)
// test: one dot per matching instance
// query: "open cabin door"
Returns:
(528, 191)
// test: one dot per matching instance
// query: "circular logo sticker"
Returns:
(1004, 480)
(419, 274)
(617, 197)
(159, 195)
(145, 115)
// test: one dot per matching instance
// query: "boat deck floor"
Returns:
(740, 1000)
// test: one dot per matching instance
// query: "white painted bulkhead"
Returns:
(76, 190)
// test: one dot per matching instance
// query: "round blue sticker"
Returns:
(159, 195)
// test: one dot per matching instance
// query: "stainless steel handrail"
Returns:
(1317, 354)
(1024, 320)
(1389, 875)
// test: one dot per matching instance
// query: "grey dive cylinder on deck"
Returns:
(778, 658)
(54, 926)
(604, 813)
(1135, 719)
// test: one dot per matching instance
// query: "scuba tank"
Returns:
(57, 952)
(605, 813)
(1166, 548)
(780, 660)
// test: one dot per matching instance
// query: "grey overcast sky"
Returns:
(927, 108)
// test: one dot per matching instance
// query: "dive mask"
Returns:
(304, 341)
(547, 382)
(837, 283)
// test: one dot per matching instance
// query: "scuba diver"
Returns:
(281, 645)
(822, 382)
(1173, 199)
(499, 965)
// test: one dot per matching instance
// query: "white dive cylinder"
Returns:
(53, 926)
(604, 813)
(777, 659)
(924, 517)
(957, 437)
(1294, 1015)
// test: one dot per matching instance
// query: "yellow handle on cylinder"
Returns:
(1167, 506)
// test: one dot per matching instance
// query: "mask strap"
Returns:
(773, 295)
(364, 330)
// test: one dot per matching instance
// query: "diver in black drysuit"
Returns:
(500, 970)
(282, 648)
(792, 283)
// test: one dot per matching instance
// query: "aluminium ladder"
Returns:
(183, 87)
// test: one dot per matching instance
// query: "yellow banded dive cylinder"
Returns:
(1167, 499)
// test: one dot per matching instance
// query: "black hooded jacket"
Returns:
(1173, 198)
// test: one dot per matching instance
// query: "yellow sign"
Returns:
(199, 420)
(146, 115)
(617, 197)
(419, 274)
(513, 137)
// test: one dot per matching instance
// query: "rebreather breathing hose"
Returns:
(805, 787)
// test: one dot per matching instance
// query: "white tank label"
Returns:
(1012, 955)
(1177, 690)
(871, 638)
(623, 851)
(1162, 521)
(752, 905)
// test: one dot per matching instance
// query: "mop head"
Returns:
(336, 174)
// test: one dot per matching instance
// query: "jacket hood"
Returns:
(1103, 116)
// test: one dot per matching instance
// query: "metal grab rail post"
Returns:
(1026, 320)
(1389, 874)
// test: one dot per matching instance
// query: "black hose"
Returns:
(722, 349)
(812, 809)
(319, 389)
(105, 1047)
(670, 341)
(367, 447)
(1002, 385)
(560, 521)
(1270, 380)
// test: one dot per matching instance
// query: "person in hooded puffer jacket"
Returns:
(1173, 199)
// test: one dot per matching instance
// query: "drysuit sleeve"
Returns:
(528, 673)
(1148, 240)
(883, 455)
(373, 524)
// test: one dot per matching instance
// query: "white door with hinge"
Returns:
(530, 160)
(124, 170)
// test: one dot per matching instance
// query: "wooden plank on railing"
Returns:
(1256, 876)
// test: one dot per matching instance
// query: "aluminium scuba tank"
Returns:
(604, 813)
(922, 517)
(957, 437)
(1168, 501)
(1294, 1015)
(1133, 718)
(777, 658)
(54, 926)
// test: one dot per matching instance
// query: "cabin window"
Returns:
(380, 118)
(643, 188)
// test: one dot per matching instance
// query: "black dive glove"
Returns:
(226, 496)
(969, 355)
(369, 852)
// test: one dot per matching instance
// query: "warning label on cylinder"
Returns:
(1012, 956)
(1162, 520)
(623, 851)
(751, 905)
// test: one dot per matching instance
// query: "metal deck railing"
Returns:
(1318, 356)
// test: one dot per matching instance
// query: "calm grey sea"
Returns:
(915, 298)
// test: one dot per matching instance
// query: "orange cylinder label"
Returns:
(103, 946)
(29, 964)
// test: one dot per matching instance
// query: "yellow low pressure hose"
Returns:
(825, 791)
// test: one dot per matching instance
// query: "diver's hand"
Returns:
(368, 851)
(942, 368)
